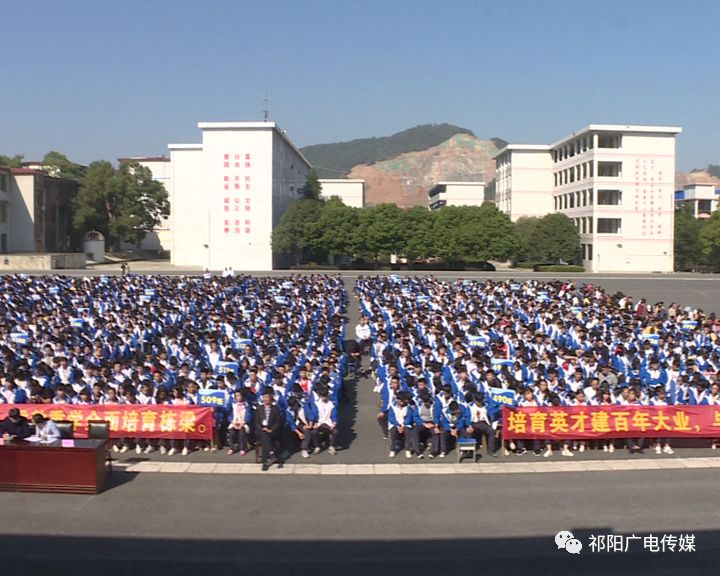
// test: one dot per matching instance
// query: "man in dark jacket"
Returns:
(14, 426)
(268, 428)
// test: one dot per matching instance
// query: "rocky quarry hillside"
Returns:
(402, 168)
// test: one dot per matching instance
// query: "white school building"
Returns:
(228, 193)
(616, 182)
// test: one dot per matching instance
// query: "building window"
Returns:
(609, 140)
(703, 206)
(3, 212)
(609, 169)
(3, 183)
(589, 251)
(609, 226)
(609, 197)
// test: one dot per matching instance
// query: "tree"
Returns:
(525, 227)
(124, 204)
(379, 230)
(334, 231)
(688, 254)
(714, 170)
(709, 237)
(294, 234)
(62, 167)
(474, 234)
(496, 237)
(312, 189)
(554, 238)
(11, 161)
(417, 232)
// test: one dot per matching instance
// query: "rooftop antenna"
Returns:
(266, 112)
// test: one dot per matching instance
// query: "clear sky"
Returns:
(101, 79)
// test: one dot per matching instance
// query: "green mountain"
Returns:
(337, 159)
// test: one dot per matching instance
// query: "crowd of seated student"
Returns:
(161, 340)
(439, 348)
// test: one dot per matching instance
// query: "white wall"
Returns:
(647, 183)
(530, 184)
(21, 213)
(189, 214)
(240, 218)
(351, 192)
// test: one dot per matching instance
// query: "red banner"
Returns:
(591, 422)
(129, 421)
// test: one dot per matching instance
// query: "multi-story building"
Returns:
(456, 194)
(350, 191)
(523, 181)
(160, 239)
(616, 183)
(35, 211)
(230, 191)
(704, 198)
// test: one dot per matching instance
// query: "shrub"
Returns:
(558, 268)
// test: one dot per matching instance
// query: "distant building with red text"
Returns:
(616, 183)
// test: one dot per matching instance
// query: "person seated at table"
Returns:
(15, 426)
(45, 429)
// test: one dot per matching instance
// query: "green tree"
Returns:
(474, 234)
(688, 254)
(334, 231)
(11, 161)
(379, 231)
(417, 233)
(709, 237)
(496, 237)
(312, 189)
(525, 227)
(61, 166)
(554, 238)
(714, 170)
(294, 235)
(446, 233)
(124, 204)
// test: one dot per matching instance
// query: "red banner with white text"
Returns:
(128, 421)
(592, 422)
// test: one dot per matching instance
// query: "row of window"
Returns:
(585, 170)
(585, 225)
(573, 174)
(577, 199)
(584, 198)
(570, 149)
(585, 143)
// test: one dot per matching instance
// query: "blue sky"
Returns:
(101, 79)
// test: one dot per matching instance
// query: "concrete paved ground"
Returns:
(212, 524)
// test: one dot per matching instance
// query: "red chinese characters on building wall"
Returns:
(648, 200)
(237, 180)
